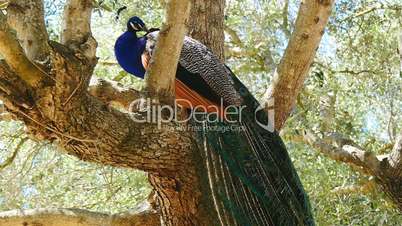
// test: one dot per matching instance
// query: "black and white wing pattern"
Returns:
(198, 59)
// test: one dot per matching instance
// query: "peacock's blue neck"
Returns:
(128, 50)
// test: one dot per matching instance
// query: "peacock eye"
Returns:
(134, 26)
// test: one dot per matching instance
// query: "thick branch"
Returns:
(15, 57)
(77, 217)
(162, 73)
(27, 18)
(345, 150)
(91, 130)
(76, 27)
(112, 93)
(87, 128)
(294, 66)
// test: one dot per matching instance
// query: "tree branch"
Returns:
(294, 66)
(13, 87)
(10, 160)
(15, 57)
(386, 169)
(395, 158)
(365, 188)
(27, 18)
(162, 73)
(400, 51)
(241, 51)
(112, 93)
(76, 27)
(4, 4)
(234, 37)
(347, 154)
(77, 217)
(90, 130)
(108, 63)
(285, 19)
(344, 71)
(379, 6)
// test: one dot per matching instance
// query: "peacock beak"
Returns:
(144, 28)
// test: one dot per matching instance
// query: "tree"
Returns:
(50, 96)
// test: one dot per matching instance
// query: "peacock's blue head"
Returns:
(135, 24)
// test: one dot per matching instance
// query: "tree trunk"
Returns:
(207, 24)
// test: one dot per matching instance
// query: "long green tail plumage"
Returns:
(252, 177)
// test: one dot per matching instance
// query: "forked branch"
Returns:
(27, 18)
(15, 57)
(300, 52)
(76, 27)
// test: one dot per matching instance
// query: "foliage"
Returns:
(41, 176)
(357, 67)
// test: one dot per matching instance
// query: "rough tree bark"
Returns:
(14, 54)
(207, 24)
(76, 28)
(75, 217)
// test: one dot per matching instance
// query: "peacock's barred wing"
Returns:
(198, 59)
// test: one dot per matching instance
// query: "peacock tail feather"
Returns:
(252, 178)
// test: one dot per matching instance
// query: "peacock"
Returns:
(252, 177)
